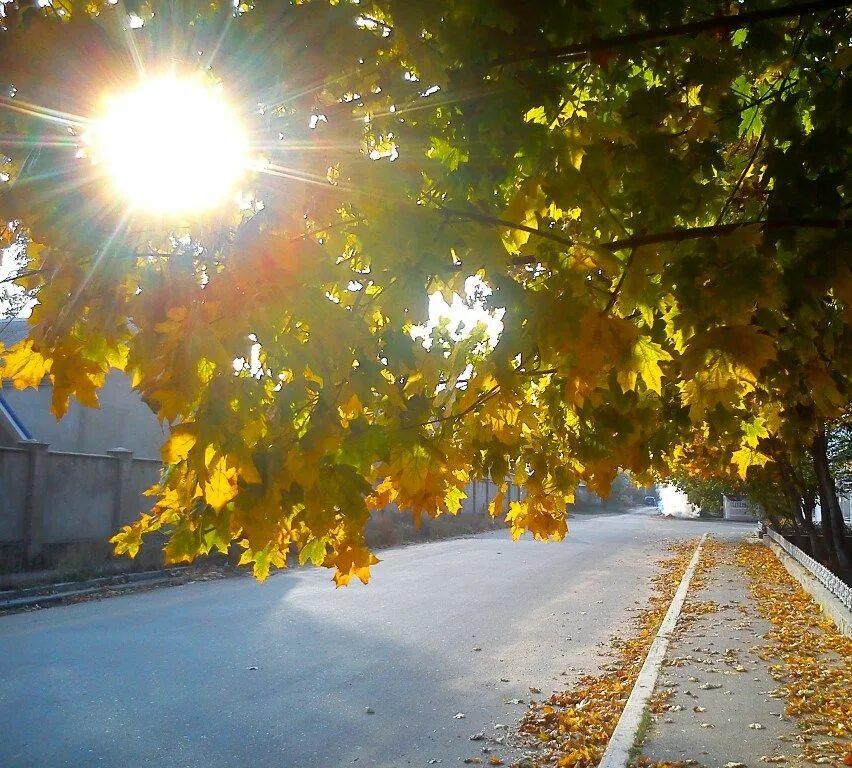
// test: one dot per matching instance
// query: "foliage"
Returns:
(840, 453)
(705, 494)
(657, 194)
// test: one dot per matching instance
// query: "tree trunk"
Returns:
(831, 514)
(798, 522)
(808, 506)
(794, 500)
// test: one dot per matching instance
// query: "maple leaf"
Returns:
(220, 486)
(179, 443)
(748, 456)
(351, 562)
(23, 365)
(645, 360)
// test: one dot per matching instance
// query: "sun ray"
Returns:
(44, 113)
(102, 253)
(211, 59)
(426, 102)
(70, 143)
(308, 90)
(287, 145)
(133, 50)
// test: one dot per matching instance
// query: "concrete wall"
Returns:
(739, 509)
(845, 502)
(482, 492)
(52, 497)
(14, 468)
(122, 420)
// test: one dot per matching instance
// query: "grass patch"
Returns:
(641, 734)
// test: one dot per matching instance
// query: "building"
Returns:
(122, 421)
(738, 508)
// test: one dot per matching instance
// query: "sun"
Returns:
(171, 146)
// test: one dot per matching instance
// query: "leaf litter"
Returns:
(571, 729)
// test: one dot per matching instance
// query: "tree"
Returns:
(656, 194)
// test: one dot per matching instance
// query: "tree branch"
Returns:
(581, 50)
(484, 218)
(614, 296)
(697, 233)
(671, 236)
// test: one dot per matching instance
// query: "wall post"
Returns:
(121, 487)
(34, 505)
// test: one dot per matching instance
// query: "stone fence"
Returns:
(832, 583)
(55, 498)
(52, 498)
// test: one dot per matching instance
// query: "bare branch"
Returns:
(579, 51)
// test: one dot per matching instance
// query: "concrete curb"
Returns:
(623, 738)
(830, 605)
(56, 593)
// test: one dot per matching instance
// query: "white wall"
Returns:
(122, 421)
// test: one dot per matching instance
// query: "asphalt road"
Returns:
(232, 673)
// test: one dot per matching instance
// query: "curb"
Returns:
(822, 596)
(623, 739)
(56, 593)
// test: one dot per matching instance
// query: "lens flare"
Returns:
(171, 146)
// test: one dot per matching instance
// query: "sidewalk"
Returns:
(754, 673)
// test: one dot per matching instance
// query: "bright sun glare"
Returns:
(171, 146)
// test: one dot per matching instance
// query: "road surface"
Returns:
(232, 673)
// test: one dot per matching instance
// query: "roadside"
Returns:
(42, 589)
(49, 593)
(573, 727)
(754, 675)
(465, 626)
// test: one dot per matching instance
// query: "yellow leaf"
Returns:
(349, 410)
(352, 561)
(576, 156)
(179, 444)
(645, 363)
(249, 473)
(747, 457)
(454, 499)
(221, 485)
(24, 366)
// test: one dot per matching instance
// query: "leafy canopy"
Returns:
(656, 193)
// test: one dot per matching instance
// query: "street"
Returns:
(296, 674)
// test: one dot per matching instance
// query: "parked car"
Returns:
(651, 501)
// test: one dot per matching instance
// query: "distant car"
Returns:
(651, 501)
